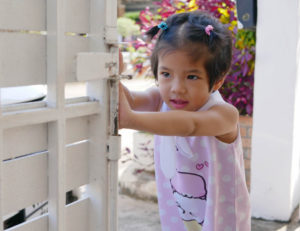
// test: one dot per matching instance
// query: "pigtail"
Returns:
(152, 32)
(212, 35)
(211, 39)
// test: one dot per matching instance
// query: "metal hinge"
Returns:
(114, 148)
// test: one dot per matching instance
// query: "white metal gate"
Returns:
(50, 147)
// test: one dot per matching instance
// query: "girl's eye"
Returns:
(193, 77)
(165, 74)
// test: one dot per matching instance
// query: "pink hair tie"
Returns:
(208, 29)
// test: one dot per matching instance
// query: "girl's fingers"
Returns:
(121, 63)
(123, 108)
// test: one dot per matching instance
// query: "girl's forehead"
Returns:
(178, 58)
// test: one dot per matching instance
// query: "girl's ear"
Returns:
(218, 84)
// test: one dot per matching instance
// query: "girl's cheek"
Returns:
(162, 90)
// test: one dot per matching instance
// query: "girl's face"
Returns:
(183, 85)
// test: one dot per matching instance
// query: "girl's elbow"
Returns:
(192, 129)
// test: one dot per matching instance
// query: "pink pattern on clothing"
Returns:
(195, 189)
(214, 195)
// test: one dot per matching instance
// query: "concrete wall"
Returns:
(275, 188)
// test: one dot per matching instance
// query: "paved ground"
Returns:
(137, 215)
(141, 215)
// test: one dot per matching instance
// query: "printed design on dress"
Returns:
(200, 166)
(190, 192)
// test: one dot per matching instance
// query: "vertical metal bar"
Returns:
(55, 99)
(114, 144)
(55, 53)
(111, 15)
(114, 149)
(98, 127)
(114, 153)
(103, 187)
(1, 161)
(56, 168)
(114, 96)
(297, 91)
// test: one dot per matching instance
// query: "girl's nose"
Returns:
(178, 86)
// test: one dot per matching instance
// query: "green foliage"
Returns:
(134, 15)
(127, 27)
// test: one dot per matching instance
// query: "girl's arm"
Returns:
(148, 100)
(219, 120)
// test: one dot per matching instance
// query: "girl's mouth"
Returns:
(178, 103)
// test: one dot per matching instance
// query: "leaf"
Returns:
(249, 109)
(245, 70)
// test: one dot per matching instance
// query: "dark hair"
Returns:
(186, 31)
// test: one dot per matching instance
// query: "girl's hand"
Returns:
(121, 63)
(124, 107)
(125, 112)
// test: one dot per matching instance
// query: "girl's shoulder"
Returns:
(218, 104)
(224, 106)
(154, 94)
(231, 116)
(227, 115)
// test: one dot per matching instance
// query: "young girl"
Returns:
(198, 152)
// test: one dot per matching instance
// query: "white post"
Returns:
(275, 188)
(100, 169)
(297, 103)
(114, 144)
(1, 174)
(56, 75)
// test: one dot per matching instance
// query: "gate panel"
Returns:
(76, 129)
(74, 45)
(77, 215)
(39, 224)
(30, 139)
(22, 55)
(78, 16)
(77, 166)
(26, 182)
(23, 15)
(52, 147)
